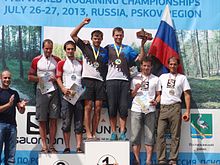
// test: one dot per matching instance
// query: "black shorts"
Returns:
(95, 89)
(118, 92)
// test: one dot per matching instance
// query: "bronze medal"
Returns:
(171, 92)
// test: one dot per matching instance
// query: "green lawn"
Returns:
(205, 92)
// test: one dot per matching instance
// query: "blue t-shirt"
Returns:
(8, 116)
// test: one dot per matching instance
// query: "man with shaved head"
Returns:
(9, 100)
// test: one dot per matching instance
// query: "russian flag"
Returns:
(164, 44)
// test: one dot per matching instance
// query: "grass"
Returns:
(23, 85)
(205, 92)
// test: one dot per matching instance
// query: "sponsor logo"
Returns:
(32, 125)
(201, 126)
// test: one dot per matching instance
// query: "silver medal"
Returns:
(73, 77)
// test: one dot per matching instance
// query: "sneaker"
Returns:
(66, 151)
(122, 136)
(114, 136)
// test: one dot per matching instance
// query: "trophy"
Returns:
(144, 35)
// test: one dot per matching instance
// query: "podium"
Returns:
(96, 153)
(61, 159)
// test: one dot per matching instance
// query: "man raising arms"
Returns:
(94, 72)
(117, 80)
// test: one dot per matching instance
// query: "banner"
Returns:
(199, 137)
(26, 23)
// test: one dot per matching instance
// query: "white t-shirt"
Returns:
(89, 71)
(172, 87)
(71, 71)
(42, 66)
(146, 93)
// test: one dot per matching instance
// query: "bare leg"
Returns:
(122, 123)
(43, 134)
(53, 130)
(78, 140)
(87, 117)
(149, 151)
(136, 151)
(96, 116)
(113, 122)
(66, 136)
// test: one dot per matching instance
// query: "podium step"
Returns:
(96, 153)
(61, 159)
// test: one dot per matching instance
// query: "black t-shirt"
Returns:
(8, 116)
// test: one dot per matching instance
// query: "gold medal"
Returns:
(96, 64)
(117, 61)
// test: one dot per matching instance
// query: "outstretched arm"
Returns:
(74, 33)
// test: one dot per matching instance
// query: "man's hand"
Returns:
(23, 103)
(185, 116)
(137, 86)
(86, 21)
(153, 102)
(65, 91)
(11, 100)
(52, 78)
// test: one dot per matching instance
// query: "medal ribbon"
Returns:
(48, 62)
(118, 51)
(96, 54)
(72, 67)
